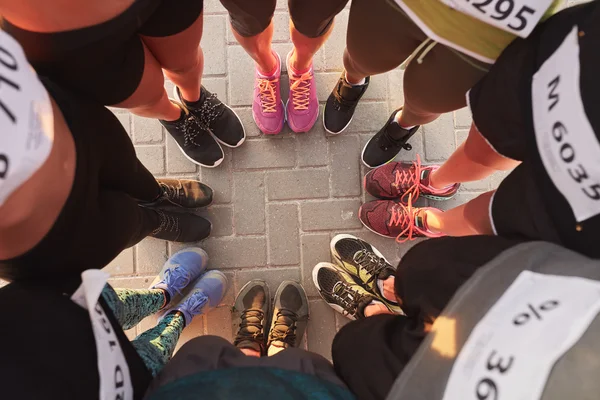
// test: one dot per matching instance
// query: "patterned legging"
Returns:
(155, 346)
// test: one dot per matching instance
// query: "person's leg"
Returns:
(471, 218)
(181, 58)
(473, 160)
(131, 306)
(150, 99)
(156, 345)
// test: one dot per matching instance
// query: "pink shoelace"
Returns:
(411, 180)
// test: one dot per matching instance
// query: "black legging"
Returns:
(101, 216)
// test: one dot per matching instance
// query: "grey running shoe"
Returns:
(250, 315)
(290, 317)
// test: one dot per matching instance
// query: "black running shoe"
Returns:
(290, 316)
(181, 227)
(365, 264)
(387, 143)
(340, 291)
(341, 104)
(251, 311)
(194, 139)
(222, 121)
(186, 193)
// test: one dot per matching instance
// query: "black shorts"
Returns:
(105, 62)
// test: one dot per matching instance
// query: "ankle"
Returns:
(398, 120)
(298, 67)
(268, 66)
(376, 308)
(250, 352)
(353, 80)
(433, 182)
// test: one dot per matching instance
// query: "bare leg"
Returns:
(305, 47)
(250, 352)
(150, 98)
(472, 218)
(181, 57)
(259, 48)
(473, 160)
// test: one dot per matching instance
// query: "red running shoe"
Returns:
(399, 180)
(395, 220)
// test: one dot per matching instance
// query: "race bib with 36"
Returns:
(510, 353)
(26, 119)
(566, 141)
(518, 17)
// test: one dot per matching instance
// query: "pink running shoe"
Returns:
(303, 105)
(267, 108)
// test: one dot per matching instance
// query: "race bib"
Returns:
(510, 353)
(26, 119)
(115, 380)
(518, 17)
(566, 141)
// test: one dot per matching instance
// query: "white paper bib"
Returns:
(511, 351)
(26, 119)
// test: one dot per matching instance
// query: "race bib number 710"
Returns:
(515, 16)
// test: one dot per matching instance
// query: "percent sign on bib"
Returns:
(536, 313)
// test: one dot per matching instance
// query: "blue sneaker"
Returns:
(207, 293)
(182, 269)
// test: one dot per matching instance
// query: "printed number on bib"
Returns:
(566, 141)
(26, 119)
(512, 350)
(515, 16)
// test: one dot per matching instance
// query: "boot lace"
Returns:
(370, 262)
(268, 95)
(300, 91)
(284, 328)
(251, 319)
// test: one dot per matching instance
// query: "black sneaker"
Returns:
(222, 121)
(181, 227)
(194, 139)
(365, 264)
(290, 316)
(341, 104)
(186, 193)
(387, 143)
(340, 291)
(251, 310)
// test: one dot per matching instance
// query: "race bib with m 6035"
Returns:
(566, 141)
(518, 17)
(26, 119)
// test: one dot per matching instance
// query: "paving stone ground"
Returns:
(279, 200)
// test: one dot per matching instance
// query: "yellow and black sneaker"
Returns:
(365, 264)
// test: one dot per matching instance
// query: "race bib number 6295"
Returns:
(515, 16)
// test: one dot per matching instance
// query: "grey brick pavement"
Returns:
(279, 200)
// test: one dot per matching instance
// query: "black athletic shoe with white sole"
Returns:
(221, 120)
(181, 227)
(387, 143)
(341, 104)
(194, 139)
(340, 291)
